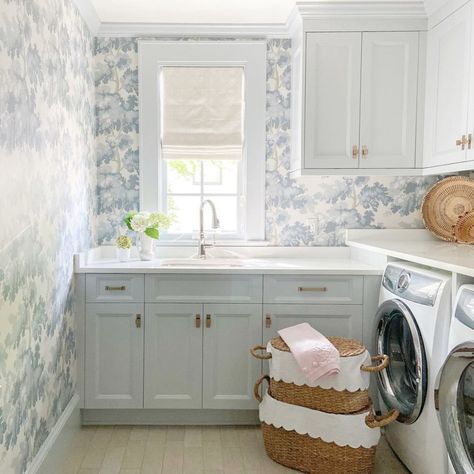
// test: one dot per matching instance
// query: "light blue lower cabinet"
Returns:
(114, 355)
(173, 361)
(229, 370)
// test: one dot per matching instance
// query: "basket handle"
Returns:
(256, 392)
(374, 421)
(254, 352)
(384, 361)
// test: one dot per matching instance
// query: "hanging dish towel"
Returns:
(313, 352)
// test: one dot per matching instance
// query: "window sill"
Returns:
(219, 243)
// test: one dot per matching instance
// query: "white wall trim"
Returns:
(89, 14)
(53, 447)
(255, 30)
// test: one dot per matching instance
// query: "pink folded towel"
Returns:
(313, 352)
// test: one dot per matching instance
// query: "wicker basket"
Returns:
(327, 400)
(315, 455)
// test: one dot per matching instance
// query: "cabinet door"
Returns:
(330, 320)
(173, 356)
(114, 355)
(447, 88)
(388, 99)
(230, 371)
(332, 89)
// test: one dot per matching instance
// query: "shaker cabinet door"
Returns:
(230, 371)
(332, 89)
(388, 99)
(173, 363)
(114, 355)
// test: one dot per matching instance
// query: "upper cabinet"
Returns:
(449, 120)
(359, 103)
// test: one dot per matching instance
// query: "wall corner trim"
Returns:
(49, 446)
(89, 14)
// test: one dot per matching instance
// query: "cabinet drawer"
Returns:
(114, 288)
(318, 289)
(179, 288)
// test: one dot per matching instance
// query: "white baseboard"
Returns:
(53, 451)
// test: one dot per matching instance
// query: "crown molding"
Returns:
(382, 8)
(89, 15)
(193, 29)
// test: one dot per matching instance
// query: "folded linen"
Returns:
(313, 352)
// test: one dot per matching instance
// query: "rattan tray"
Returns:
(445, 202)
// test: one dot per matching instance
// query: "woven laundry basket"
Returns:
(317, 442)
(343, 393)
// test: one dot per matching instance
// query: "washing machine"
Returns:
(454, 391)
(412, 324)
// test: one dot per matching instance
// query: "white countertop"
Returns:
(415, 245)
(242, 260)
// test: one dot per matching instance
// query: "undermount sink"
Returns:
(205, 262)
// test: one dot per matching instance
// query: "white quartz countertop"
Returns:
(244, 260)
(417, 246)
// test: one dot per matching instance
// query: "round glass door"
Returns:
(455, 396)
(403, 384)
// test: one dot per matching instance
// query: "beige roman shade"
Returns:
(202, 113)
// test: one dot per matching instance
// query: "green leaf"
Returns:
(128, 218)
(153, 233)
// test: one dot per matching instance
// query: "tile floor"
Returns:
(190, 449)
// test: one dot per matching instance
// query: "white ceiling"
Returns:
(194, 11)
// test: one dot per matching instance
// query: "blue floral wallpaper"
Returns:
(48, 184)
(303, 211)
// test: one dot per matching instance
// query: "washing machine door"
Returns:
(454, 398)
(403, 384)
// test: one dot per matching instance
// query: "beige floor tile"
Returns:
(139, 433)
(229, 436)
(173, 457)
(232, 459)
(130, 471)
(93, 457)
(157, 435)
(193, 437)
(153, 458)
(175, 433)
(213, 459)
(120, 436)
(88, 471)
(193, 460)
(211, 433)
(112, 460)
(133, 456)
(249, 437)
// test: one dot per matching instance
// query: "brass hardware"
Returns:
(268, 320)
(469, 141)
(462, 142)
(198, 320)
(317, 288)
(365, 151)
(208, 320)
(355, 152)
(115, 288)
(138, 321)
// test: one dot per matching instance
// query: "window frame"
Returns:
(251, 55)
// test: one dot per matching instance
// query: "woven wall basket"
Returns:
(316, 442)
(343, 393)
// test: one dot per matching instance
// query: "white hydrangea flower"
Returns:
(159, 220)
(140, 221)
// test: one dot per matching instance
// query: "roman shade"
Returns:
(202, 113)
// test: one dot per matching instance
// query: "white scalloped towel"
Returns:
(283, 367)
(344, 430)
(313, 352)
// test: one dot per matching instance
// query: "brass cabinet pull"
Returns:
(138, 321)
(355, 152)
(365, 151)
(462, 142)
(198, 320)
(268, 320)
(316, 288)
(115, 288)
(469, 141)
(208, 320)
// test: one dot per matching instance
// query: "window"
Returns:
(202, 134)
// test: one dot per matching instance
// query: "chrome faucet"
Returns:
(215, 225)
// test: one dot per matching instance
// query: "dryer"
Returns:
(454, 391)
(412, 324)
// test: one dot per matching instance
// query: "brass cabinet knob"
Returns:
(469, 141)
(365, 151)
(198, 320)
(268, 320)
(138, 321)
(208, 320)
(462, 142)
